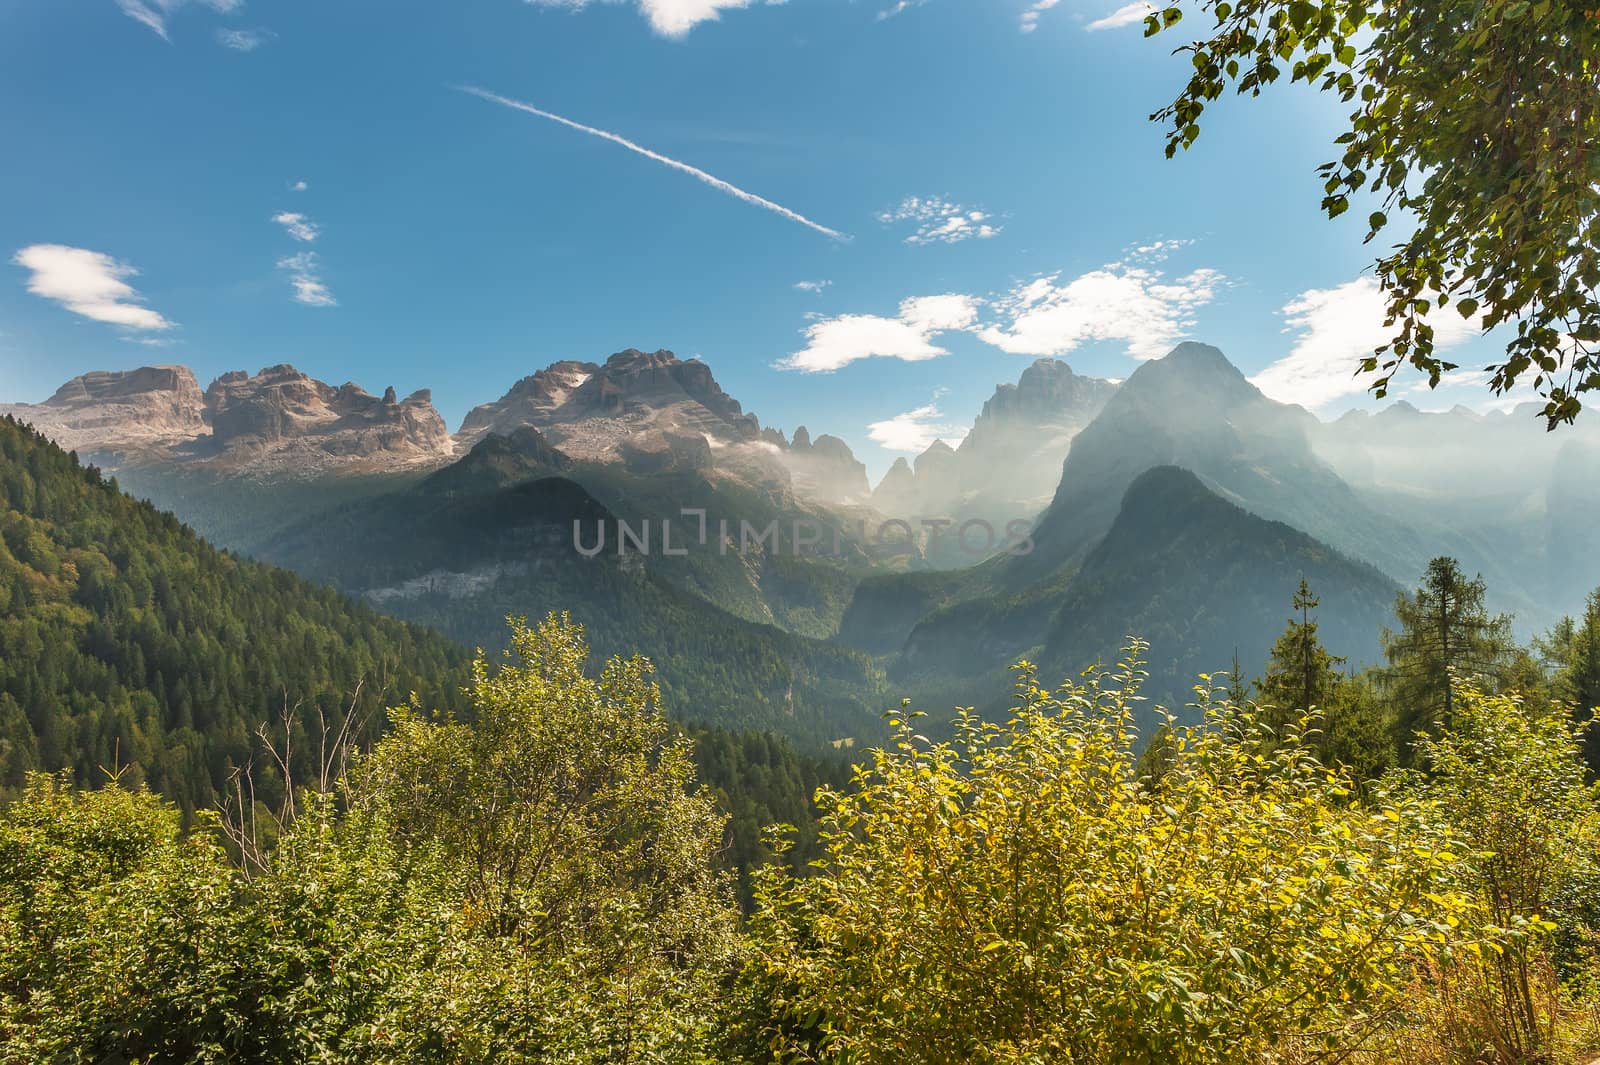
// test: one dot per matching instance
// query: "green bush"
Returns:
(1021, 895)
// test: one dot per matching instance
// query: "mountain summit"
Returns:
(278, 420)
(281, 419)
(120, 411)
(1008, 466)
(588, 410)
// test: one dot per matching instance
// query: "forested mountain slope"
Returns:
(493, 535)
(1196, 576)
(127, 640)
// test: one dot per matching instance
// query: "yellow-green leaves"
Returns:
(1029, 897)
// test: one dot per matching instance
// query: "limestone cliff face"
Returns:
(106, 414)
(533, 401)
(653, 413)
(281, 416)
(601, 412)
(278, 420)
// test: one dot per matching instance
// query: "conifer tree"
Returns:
(1572, 651)
(1444, 627)
(1301, 674)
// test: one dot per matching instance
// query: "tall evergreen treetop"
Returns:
(1301, 674)
(1444, 627)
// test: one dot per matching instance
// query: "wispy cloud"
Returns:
(298, 186)
(898, 7)
(88, 283)
(244, 40)
(914, 430)
(304, 272)
(835, 342)
(670, 18)
(1338, 327)
(156, 13)
(939, 221)
(1126, 15)
(812, 286)
(1137, 305)
(715, 182)
(1030, 17)
(297, 226)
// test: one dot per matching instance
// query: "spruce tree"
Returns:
(1301, 674)
(1572, 650)
(1444, 627)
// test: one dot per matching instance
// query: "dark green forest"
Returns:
(126, 640)
(130, 646)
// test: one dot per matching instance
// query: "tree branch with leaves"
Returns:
(1471, 120)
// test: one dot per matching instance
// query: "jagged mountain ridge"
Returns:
(644, 426)
(1195, 575)
(1009, 464)
(649, 411)
(111, 412)
(585, 408)
(1195, 409)
(275, 421)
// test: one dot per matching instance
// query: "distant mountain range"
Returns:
(278, 420)
(1181, 505)
(645, 413)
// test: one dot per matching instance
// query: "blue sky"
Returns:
(1000, 192)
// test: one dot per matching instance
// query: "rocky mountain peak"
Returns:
(825, 469)
(590, 410)
(174, 383)
(276, 420)
(283, 417)
(1008, 466)
(1191, 373)
(896, 495)
(108, 413)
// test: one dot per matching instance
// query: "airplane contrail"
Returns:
(693, 171)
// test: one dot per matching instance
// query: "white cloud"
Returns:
(939, 221)
(299, 186)
(1157, 251)
(1030, 17)
(1339, 327)
(812, 286)
(898, 7)
(1132, 301)
(914, 430)
(304, 274)
(244, 40)
(670, 18)
(693, 171)
(835, 342)
(1126, 15)
(297, 226)
(1133, 304)
(156, 13)
(89, 283)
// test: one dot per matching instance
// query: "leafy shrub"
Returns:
(1021, 895)
(535, 886)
